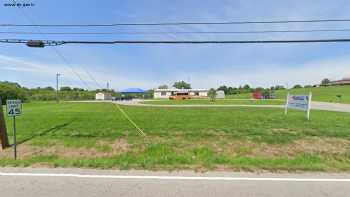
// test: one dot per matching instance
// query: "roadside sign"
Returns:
(14, 107)
(299, 102)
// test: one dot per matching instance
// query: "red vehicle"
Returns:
(257, 95)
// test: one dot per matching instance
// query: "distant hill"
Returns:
(326, 94)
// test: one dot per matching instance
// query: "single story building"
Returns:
(166, 93)
(103, 96)
(344, 81)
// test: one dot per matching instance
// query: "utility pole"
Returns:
(3, 132)
(107, 85)
(57, 96)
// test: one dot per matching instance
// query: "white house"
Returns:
(166, 93)
(103, 96)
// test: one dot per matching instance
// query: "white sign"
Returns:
(299, 102)
(14, 107)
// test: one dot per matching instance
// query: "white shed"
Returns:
(102, 96)
(220, 94)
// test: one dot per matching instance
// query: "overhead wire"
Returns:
(61, 42)
(172, 32)
(65, 60)
(178, 23)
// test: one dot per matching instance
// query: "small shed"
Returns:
(102, 96)
(220, 94)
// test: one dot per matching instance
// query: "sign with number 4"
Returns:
(14, 107)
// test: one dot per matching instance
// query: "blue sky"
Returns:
(204, 66)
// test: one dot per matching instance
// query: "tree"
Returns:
(223, 88)
(325, 81)
(279, 87)
(246, 87)
(212, 94)
(10, 90)
(66, 88)
(49, 88)
(163, 87)
(182, 85)
(78, 89)
(297, 86)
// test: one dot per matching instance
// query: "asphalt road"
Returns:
(29, 182)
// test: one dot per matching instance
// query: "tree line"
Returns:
(11, 90)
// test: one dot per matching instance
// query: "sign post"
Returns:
(14, 108)
(299, 102)
(309, 106)
(286, 107)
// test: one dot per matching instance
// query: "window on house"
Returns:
(163, 93)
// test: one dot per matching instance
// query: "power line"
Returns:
(174, 32)
(93, 78)
(17, 41)
(65, 60)
(179, 23)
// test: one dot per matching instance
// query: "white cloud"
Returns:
(37, 69)
(264, 75)
(267, 75)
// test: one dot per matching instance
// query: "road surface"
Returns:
(34, 182)
(331, 106)
(314, 105)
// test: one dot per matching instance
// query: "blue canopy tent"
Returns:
(130, 93)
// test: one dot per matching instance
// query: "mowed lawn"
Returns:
(216, 102)
(324, 94)
(96, 135)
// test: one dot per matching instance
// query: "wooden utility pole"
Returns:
(3, 132)
(57, 94)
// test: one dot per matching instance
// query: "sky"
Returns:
(148, 66)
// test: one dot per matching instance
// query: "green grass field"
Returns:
(325, 94)
(96, 135)
(216, 102)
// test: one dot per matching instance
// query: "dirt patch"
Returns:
(313, 145)
(103, 149)
(120, 145)
(281, 130)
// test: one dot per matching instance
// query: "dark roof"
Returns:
(340, 82)
(132, 90)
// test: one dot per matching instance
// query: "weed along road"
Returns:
(33, 182)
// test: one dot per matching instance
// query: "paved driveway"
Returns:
(331, 106)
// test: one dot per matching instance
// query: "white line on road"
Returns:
(208, 178)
